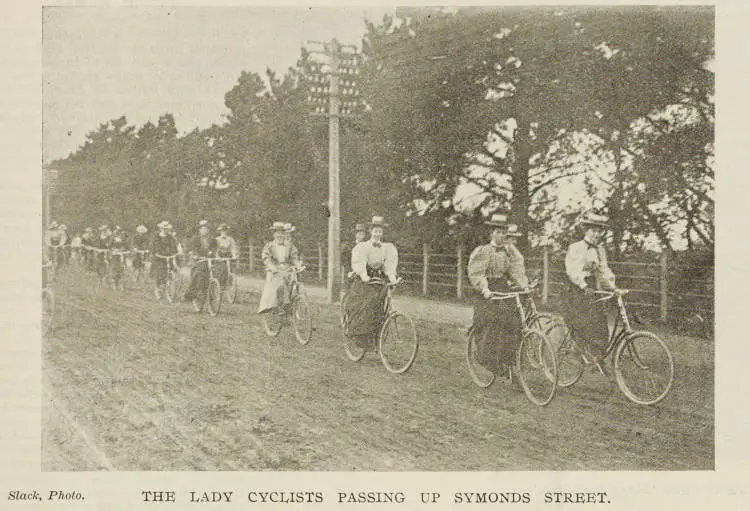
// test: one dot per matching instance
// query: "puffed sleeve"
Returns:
(517, 268)
(478, 263)
(605, 276)
(294, 258)
(359, 259)
(575, 259)
(391, 261)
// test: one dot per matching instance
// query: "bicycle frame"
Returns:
(516, 295)
(621, 329)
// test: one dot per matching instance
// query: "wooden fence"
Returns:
(663, 289)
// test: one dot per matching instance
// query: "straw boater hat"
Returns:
(223, 227)
(142, 229)
(103, 228)
(163, 225)
(88, 229)
(378, 221)
(591, 219)
(360, 228)
(203, 223)
(63, 227)
(53, 225)
(501, 221)
(289, 228)
(277, 226)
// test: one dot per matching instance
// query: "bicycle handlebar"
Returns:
(606, 295)
(378, 280)
(166, 257)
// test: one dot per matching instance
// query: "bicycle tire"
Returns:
(480, 376)
(170, 288)
(650, 352)
(272, 323)
(302, 319)
(570, 364)
(213, 297)
(232, 289)
(397, 356)
(536, 352)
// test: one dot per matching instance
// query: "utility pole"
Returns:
(339, 61)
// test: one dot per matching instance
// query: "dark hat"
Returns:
(378, 221)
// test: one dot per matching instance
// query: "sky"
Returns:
(99, 63)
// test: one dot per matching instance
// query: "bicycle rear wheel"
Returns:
(213, 297)
(48, 309)
(479, 374)
(302, 319)
(231, 288)
(644, 368)
(272, 322)
(397, 343)
(537, 367)
(570, 364)
(170, 288)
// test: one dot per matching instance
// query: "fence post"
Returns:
(545, 274)
(251, 258)
(425, 266)
(320, 261)
(663, 285)
(460, 271)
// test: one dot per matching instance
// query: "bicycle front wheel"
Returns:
(537, 367)
(302, 320)
(398, 343)
(231, 288)
(482, 377)
(213, 297)
(354, 350)
(644, 368)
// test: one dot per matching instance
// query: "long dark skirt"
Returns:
(497, 326)
(364, 308)
(198, 282)
(159, 271)
(588, 320)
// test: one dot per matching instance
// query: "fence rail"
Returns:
(660, 288)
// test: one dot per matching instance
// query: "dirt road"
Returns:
(135, 384)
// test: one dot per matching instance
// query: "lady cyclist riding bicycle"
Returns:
(279, 258)
(497, 267)
(587, 270)
(163, 247)
(201, 246)
(226, 247)
(371, 259)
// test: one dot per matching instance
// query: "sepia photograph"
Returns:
(378, 239)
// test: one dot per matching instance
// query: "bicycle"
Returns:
(118, 268)
(212, 297)
(138, 264)
(48, 299)
(536, 364)
(396, 352)
(101, 266)
(298, 309)
(230, 289)
(170, 282)
(639, 350)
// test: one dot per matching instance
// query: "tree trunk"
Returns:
(520, 183)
